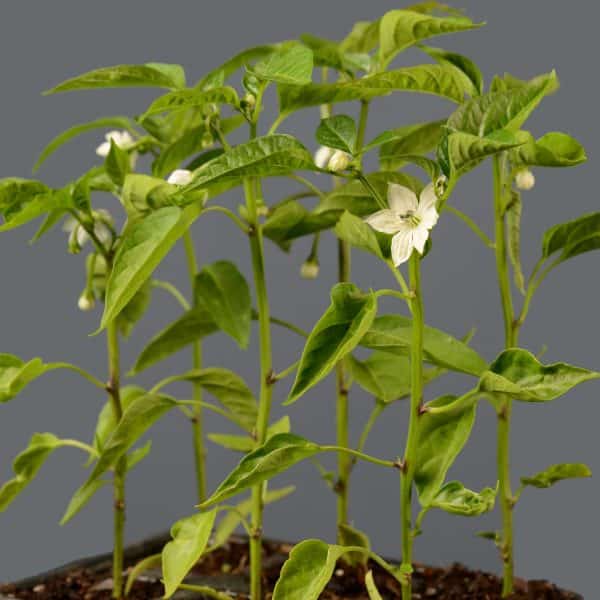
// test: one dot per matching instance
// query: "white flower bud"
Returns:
(180, 177)
(339, 161)
(322, 156)
(309, 270)
(86, 301)
(249, 100)
(525, 180)
(121, 138)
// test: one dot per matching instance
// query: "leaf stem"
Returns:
(82, 446)
(504, 411)
(61, 365)
(197, 417)
(277, 122)
(472, 225)
(205, 590)
(290, 326)
(412, 440)
(366, 457)
(377, 410)
(229, 213)
(309, 184)
(171, 289)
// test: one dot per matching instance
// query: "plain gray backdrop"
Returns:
(42, 43)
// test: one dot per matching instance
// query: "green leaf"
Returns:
(139, 416)
(81, 498)
(354, 197)
(142, 193)
(357, 233)
(245, 443)
(220, 74)
(148, 75)
(556, 473)
(520, 374)
(134, 310)
(190, 537)
(23, 200)
(456, 499)
(76, 130)
(465, 65)
(230, 522)
(190, 98)
(338, 132)
(271, 155)
(230, 390)
(441, 439)
(16, 374)
(137, 455)
(513, 222)
(420, 138)
(438, 80)
(224, 293)
(142, 248)
(460, 152)
(117, 164)
(400, 29)
(371, 587)
(553, 149)
(275, 456)
(393, 333)
(337, 333)
(507, 110)
(187, 329)
(291, 64)
(27, 464)
(573, 237)
(307, 571)
(330, 54)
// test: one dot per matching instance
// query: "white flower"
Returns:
(121, 138)
(407, 218)
(322, 156)
(78, 236)
(525, 179)
(339, 161)
(309, 270)
(180, 177)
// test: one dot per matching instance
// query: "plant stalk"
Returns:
(505, 409)
(197, 416)
(114, 391)
(266, 372)
(412, 440)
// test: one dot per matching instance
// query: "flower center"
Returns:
(411, 218)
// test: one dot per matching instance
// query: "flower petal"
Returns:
(385, 221)
(322, 156)
(420, 235)
(103, 149)
(402, 246)
(427, 211)
(401, 199)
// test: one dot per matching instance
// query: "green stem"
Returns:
(377, 410)
(197, 417)
(114, 390)
(471, 224)
(264, 407)
(80, 371)
(504, 411)
(361, 455)
(412, 441)
(171, 289)
(228, 213)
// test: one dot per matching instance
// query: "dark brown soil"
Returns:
(227, 568)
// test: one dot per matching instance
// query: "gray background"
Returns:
(42, 43)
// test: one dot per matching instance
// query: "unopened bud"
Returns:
(249, 100)
(86, 301)
(525, 179)
(339, 161)
(309, 270)
(322, 156)
(180, 177)
(441, 183)
(207, 140)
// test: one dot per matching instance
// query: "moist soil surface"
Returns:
(227, 569)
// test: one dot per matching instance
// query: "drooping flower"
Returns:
(86, 301)
(525, 180)
(309, 269)
(322, 156)
(180, 177)
(408, 219)
(122, 139)
(78, 236)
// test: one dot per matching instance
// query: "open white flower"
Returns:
(408, 219)
(121, 138)
(180, 177)
(323, 156)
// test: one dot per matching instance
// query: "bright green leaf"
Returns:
(359, 234)
(556, 473)
(330, 54)
(291, 65)
(190, 98)
(149, 75)
(456, 499)
(190, 537)
(350, 536)
(513, 224)
(336, 334)
(553, 149)
(338, 132)
(520, 374)
(16, 374)
(573, 237)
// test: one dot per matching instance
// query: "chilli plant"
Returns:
(390, 211)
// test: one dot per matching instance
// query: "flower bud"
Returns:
(441, 183)
(86, 301)
(525, 180)
(122, 139)
(339, 161)
(322, 156)
(180, 177)
(207, 140)
(249, 100)
(309, 269)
